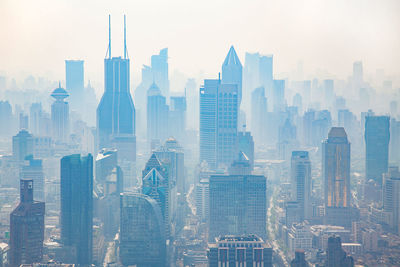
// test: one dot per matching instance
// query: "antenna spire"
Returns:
(124, 37)
(109, 36)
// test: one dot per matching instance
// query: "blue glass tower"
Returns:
(116, 111)
(77, 206)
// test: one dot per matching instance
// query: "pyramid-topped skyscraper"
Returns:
(232, 71)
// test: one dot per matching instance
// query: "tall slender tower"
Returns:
(60, 115)
(77, 206)
(301, 181)
(336, 168)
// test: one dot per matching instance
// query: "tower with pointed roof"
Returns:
(232, 71)
(60, 115)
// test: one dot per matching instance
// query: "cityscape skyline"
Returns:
(324, 28)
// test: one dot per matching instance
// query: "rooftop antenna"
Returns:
(124, 37)
(109, 36)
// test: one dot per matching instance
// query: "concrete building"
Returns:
(33, 170)
(157, 115)
(301, 182)
(241, 250)
(22, 145)
(26, 227)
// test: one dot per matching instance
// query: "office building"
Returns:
(246, 145)
(77, 206)
(155, 184)
(26, 228)
(116, 111)
(377, 136)
(259, 110)
(335, 255)
(232, 71)
(159, 69)
(202, 199)
(218, 123)
(394, 152)
(301, 182)
(22, 145)
(239, 250)
(299, 259)
(157, 115)
(142, 232)
(106, 161)
(60, 115)
(35, 117)
(251, 78)
(278, 95)
(6, 118)
(177, 118)
(266, 72)
(74, 83)
(33, 170)
(237, 205)
(336, 168)
(391, 197)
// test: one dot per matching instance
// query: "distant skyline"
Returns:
(37, 36)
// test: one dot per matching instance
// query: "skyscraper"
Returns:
(259, 110)
(33, 170)
(60, 115)
(377, 136)
(335, 255)
(232, 71)
(35, 116)
(156, 185)
(116, 111)
(74, 82)
(218, 123)
(237, 205)
(336, 168)
(142, 232)
(301, 182)
(26, 228)
(266, 72)
(157, 115)
(159, 67)
(278, 95)
(77, 206)
(177, 118)
(391, 197)
(22, 145)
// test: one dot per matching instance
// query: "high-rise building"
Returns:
(301, 182)
(246, 145)
(116, 111)
(259, 110)
(22, 145)
(26, 228)
(218, 123)
(239, 250)
(266, 72)
(33, 170)
(394, 152)
(159, 68)
(142, 232)
(232, 71)
(77, 206)
(377, 136)
(171, 154)
(106, 161)
(6, 118)
(155, 184)
(391, 196)
(157, 115)
(251, 79)
(299, 259)
(336, 168)
(74, 82)
(237, 205)
(358, 74)
(177, 118)
(35, 116)
(278, 95)
(202, 199)
(335, 255)
(60, 115)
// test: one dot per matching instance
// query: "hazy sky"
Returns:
(37, 36)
